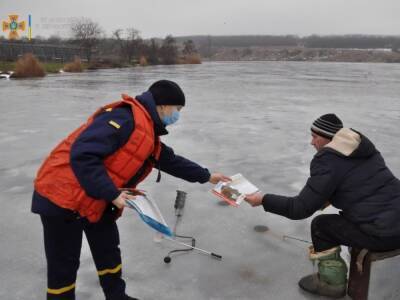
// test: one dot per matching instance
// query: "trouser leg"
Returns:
(328, 231)
(62, 241)
(103, 239)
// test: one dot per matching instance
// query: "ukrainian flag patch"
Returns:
(114, 124)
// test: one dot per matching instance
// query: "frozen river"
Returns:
(252, 118)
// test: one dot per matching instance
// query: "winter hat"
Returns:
(327, 125)
(166, 92)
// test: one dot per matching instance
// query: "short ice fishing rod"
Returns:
(288, 237)
(265, 229)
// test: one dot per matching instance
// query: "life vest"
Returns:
(57, 182)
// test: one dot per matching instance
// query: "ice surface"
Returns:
(264, 109)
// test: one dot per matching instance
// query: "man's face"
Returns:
(318, 141)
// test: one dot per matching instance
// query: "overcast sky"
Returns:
(157, 18)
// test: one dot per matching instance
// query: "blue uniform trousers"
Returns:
(63, 241)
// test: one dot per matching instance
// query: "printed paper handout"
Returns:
(150, 214)
(235, 191)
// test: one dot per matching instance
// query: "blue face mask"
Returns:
(170, 119)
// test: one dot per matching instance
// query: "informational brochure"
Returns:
(150, 213)
(234, 191)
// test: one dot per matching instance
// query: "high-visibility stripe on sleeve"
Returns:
(110, 271)
(115, 124)
(61, 290)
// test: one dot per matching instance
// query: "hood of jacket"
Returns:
(350, 143)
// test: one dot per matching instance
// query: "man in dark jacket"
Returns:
(120, 137)
(349, 173)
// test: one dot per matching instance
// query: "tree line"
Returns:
(127, 46)
(206, 44)
(124, 45)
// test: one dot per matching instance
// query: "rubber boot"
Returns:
(331, 279)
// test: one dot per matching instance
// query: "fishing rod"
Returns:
(265, 229)
(296, 239)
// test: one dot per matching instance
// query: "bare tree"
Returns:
(169, 51)
(152, 52)
(189, 48)
(87, 33)
(130, 43)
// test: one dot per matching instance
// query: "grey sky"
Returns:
(157, 18)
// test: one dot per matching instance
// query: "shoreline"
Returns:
(304, 54)
(52, 68)
(8, 67)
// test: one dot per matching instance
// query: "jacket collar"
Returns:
(345, 141)
(350, 143)
(146, 99)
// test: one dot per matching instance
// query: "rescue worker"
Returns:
(349, 173)
(79, 187)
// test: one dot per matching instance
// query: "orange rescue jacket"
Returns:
(56, 181)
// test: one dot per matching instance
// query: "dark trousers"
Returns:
(328, 231)
(63, 241)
